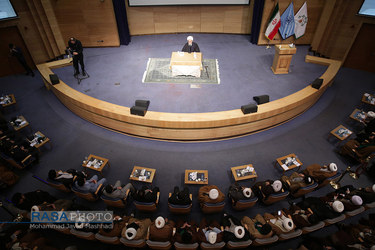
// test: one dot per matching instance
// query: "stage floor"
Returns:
(116, 74)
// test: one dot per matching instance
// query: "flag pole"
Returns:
(268, 43)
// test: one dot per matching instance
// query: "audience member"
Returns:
(146, 194)
(27, 200)
(186, 232)
(65, 177)
(161, 229)
(89, 185)
(301, 218)
(210, 194)
(264, 189)
(237, 192)
(118, 224)
(180, 197)
(210, 232)
(320, 173)
(280, 222)
(257, 227)
(118, 191)
(296, 181)
(136, 229)
(233, 229)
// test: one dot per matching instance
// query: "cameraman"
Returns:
(75, 47)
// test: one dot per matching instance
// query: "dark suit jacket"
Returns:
(162, 234)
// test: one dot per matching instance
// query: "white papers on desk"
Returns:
(22, 123)
(295, 162)
(284, 167)
(142, 178)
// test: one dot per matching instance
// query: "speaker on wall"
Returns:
(249, 108)
(317, 83)
(260, 99)
(54, 79)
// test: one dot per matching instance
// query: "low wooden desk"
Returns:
(12, 101)
(18, 128)
(91, 158)
(281, 162)
(369, 99)
(202, 177)
(41, 144)
(358, 115)
(146, 176)
(246, 174)
(341, 132)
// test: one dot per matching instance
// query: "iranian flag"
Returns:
(274, 23)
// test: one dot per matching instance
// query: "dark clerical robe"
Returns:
(193, 48)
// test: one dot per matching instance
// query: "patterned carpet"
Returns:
(158, 72)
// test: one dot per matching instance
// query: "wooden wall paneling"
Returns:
(165, 19)
(92, 22)
(52, 21)
(189, 19)
(43, 35)
(314, 10)
(212, 19)
(322, 24)
(247, 18)
(141, 20)
(46, 27)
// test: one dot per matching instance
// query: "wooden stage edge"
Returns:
(189, 126)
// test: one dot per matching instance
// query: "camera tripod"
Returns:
(82, 76)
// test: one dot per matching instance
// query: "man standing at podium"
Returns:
(190, 46)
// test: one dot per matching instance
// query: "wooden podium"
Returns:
(282, 59)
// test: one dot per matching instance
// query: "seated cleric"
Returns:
(190, 46)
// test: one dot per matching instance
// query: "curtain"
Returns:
(257, 20)
(122, 21)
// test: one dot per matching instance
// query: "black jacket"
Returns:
(193, 48)
(76, 47)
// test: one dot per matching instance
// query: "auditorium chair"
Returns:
(238, 244)
(335, 220)
(59, 185)
(20, 165)
(133, 243)
(181, 246)
(147, 206)
(370, 205)
(107, 240)
(328, 180)
(216, 246)
(159, 245)
(82, 234)
(313, 228)
(180, 209)
(244, 204)
(275, 197)
(115, 202)
(355, 212)
(88, 195)
(305, 190)
(290, 235)
(265, 241)
(210, 208)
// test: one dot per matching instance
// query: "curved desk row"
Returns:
(188, 126)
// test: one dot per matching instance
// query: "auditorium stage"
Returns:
(244, 72)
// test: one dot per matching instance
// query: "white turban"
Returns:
(277, 185)
(247, 192)
(239, 232)
(35, 209)
(333, 167)
(190, 38)
(288, 224)
(130, 233)
(213, 194)
(338, 206)
(159, 222)
(371, 114)
(212, 236)
(373, 188)
(357, 200)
